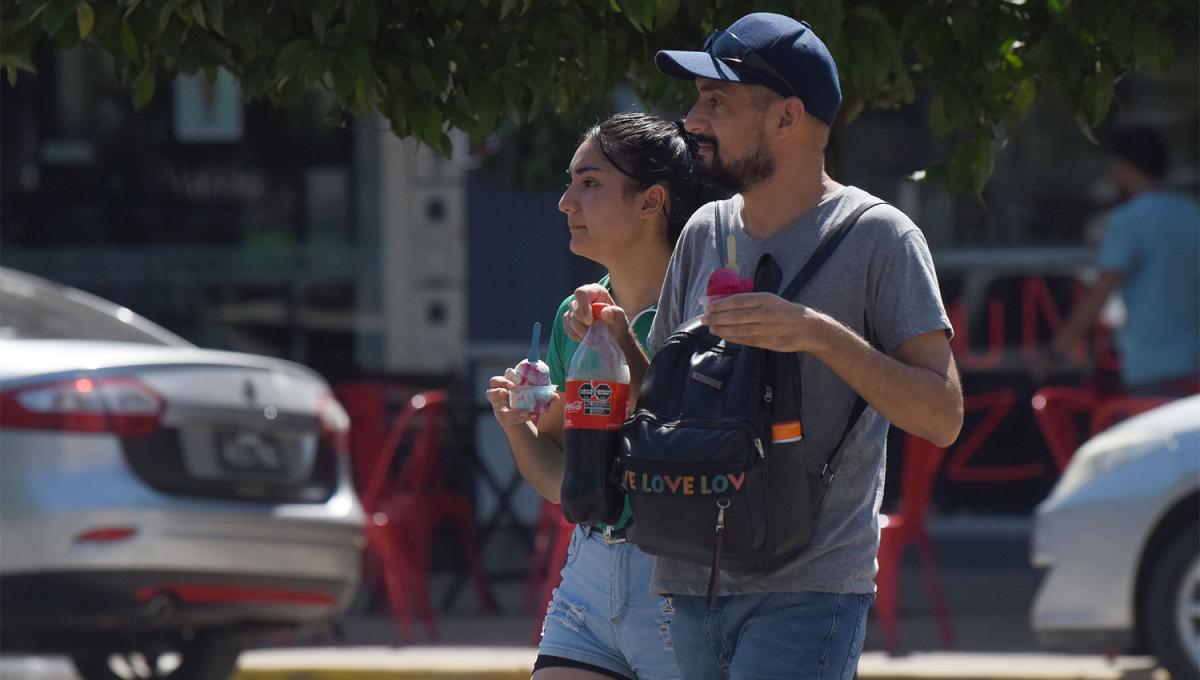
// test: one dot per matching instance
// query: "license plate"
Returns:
(250, 452)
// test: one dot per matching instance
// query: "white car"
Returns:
(1120, 538)
(162, 506)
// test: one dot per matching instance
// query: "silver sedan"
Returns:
(161, 506)
(1120, 539)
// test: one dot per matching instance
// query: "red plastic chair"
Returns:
(557, 538)
(405, 510)
(1057, 411)
(922, 460)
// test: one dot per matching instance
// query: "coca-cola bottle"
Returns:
(596, 405)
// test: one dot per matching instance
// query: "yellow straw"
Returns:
(731, 252)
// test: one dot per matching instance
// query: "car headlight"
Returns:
(1104, 455)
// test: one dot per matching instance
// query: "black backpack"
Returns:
(705, 480)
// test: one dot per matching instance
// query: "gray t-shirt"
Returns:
(883, 272)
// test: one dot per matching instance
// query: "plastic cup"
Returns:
(533, 399)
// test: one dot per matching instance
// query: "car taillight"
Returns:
(107, 404)
(335, 423)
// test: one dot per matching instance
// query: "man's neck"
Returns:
(1144, 187)
(790, 193)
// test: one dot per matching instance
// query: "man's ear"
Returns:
(790, 116)
(654, 199)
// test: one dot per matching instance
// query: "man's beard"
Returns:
(742, 174)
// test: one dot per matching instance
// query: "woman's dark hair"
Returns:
(649, 150)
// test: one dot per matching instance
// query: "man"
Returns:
(768, 94)
(1151, 251)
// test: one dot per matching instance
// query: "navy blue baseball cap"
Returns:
(765, 49)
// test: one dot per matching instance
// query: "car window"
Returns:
(33, 311)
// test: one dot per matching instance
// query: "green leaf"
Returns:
(55, 16)
(322, 12)
(164, 17)
(1101, 100)
(215, 10)
(12, 75)
(198, 14)
(292, 55)
(132, 6)
(966, 27)
(422, 76)
(1024, 95)
(86, 18)
(939, 122)
(365, 20)
(1055, 6)
(1085, 128)
(143, 88)
(129, 43)
(666, 11)
(31, 11)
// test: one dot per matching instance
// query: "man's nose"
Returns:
(695, 122)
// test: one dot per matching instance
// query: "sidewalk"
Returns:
(507, 663)
(984, 570)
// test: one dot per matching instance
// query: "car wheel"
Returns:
(1172, 607)
(204, 657)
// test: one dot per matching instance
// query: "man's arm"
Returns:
(916, 388)
(1081, 318)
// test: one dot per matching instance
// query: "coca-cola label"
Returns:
(595, 405)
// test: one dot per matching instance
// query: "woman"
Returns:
(632, 188)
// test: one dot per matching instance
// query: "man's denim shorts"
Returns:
(771, 636)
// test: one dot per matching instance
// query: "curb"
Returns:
(508, 663)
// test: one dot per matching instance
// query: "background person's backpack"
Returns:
(707, 480)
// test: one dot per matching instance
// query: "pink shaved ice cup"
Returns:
(533, 399)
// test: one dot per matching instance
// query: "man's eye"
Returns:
(589, 183)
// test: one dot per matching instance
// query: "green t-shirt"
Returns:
(562, 348)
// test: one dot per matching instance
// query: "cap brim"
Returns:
(691, 65)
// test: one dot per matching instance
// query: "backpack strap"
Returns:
(828, 244)
(719, 232)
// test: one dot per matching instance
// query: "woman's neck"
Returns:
(636, 280)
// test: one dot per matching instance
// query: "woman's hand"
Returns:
(497, 395)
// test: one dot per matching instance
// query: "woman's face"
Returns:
(601, 214)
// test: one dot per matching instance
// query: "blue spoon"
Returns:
(535, 343)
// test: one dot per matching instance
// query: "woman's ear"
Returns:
(654, 200)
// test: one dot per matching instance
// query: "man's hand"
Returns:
(768, 321)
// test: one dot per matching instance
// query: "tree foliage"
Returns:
(473, 64)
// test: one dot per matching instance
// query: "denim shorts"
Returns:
(814, 636)
(603, 613)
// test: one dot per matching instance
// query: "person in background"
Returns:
(632, 188)
(1151, 253)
